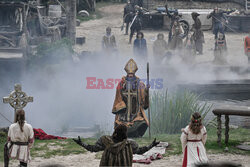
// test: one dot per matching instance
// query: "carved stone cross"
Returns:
(17, 98)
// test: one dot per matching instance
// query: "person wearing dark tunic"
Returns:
(136, 25)
(140, 46)
(128, 15)
(218, 19)
(173, 17)
(118, 149)
(159, 48)
(139, 3)
(198, 35)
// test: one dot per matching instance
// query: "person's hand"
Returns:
(226, 21)
(78, 141)
(155, 143)
(148, 86)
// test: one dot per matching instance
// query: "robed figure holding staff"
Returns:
(130, 102)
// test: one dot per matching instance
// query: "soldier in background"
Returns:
(128, 15)
(198, 35)
(173, 17)
(139, 3)
(108, 42)
(136, 25)
(218, 18)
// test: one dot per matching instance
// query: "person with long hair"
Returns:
(20, 139)
(177, 34)
(159, 47)
(140, 46)
(193, 139)
(118, 149)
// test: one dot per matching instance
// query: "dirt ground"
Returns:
(89, 160)
(93, 30)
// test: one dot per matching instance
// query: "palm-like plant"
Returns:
(170, 113)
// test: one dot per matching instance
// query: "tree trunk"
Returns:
(71, 20)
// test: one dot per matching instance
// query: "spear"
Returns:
(149, 132)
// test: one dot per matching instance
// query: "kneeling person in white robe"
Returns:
(193, 141)
(20, 139)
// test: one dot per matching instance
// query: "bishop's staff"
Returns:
(149, 132)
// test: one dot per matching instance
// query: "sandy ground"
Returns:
(88, 160)
(93, 30)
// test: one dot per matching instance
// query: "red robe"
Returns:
(247, 45)
(119, 103)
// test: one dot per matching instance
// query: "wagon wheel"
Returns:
(185, 27)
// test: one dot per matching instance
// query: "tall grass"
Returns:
(171, 112)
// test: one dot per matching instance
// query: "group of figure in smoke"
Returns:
(187, 44)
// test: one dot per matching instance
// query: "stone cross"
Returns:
(17, 98)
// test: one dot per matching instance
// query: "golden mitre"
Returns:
(131, 66)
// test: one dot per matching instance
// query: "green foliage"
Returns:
(49, 54)
(102, 130)
(59, 49)
(3, 139)
(170, 113)
(50, 148)
(237, 136)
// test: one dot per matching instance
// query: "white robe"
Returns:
(193, 147)
(22, 153)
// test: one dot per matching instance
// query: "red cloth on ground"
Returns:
(41, 135)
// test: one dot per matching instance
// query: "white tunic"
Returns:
(20, 152)
(193, 147)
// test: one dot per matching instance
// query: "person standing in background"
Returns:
(193, 139)
(140, 46)
(159, 47)
(128, 15)
(20, 140)
(198, 35)
(218, 18)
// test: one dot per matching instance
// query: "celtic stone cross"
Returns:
(17, 98)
